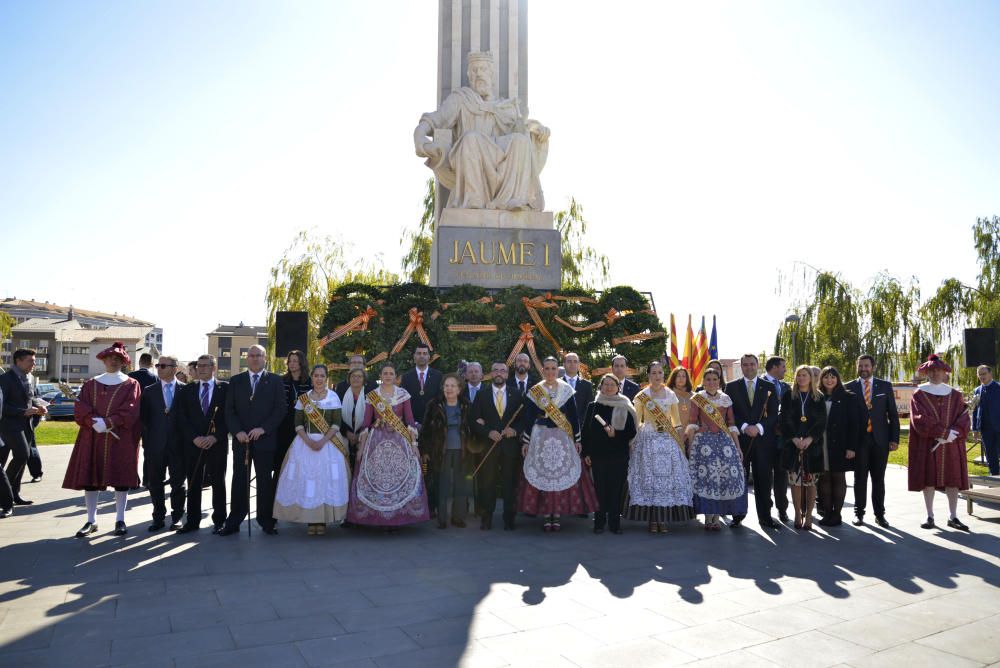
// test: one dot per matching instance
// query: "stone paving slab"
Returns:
(358, 598)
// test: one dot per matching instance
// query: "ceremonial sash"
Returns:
(552, 411)
(315, 415)
(713, 413)
(388, 416)
(659, 417)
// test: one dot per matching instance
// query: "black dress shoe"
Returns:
(769, 523)
(18, 501)
(37, 478)
(188, 528)
(881, 521)
(737, 522)
(270, 531)
(6, 512)
(929, 524)
(598, 529)
(858, 521)
(217, 528)
(783, 516)
(617, 531)
(227, 531)
(156, 525)
(955, 523)
(120, 529)
(86, 530)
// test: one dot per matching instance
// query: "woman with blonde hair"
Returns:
(803, 420)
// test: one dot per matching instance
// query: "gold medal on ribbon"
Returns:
(803, 419)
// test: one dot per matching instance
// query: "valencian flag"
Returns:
(674, 360)
(713, 343)
(689, 348)
(700, 355)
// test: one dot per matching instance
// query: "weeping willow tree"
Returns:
(303, 279)
(956, 305)
(896, 334)
(827, 330)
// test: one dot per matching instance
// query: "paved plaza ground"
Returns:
(425, 597)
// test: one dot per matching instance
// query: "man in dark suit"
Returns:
(144, 374)
(755, 407)
(774, 373)
(986, 416)
(422, 382)
(492, 410)
(162, 457)
(881, 435)
(473, 381)
(522, 379)
(255, 406)
(584, 389)
(6, 495)
(356, 362)
(205, 443)
(619, 367)
(17, 426)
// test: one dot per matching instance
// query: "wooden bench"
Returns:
(989, 495)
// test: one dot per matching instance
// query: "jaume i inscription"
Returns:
(498, 258)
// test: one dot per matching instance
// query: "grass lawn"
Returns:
(899, 457)
(50, 432)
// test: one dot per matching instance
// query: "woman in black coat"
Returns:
(445, 436)
(606, 449)
(803, 419)
(840, 441)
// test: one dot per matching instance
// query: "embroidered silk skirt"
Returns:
(553, 479)
(388, 487)
(659, 479)
(314, 487)
(717, 475)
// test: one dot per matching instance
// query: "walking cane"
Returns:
(246, 463)
(490, 451)
(201, 451)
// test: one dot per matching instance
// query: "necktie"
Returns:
(499, 402)
(572, 381)
(168, 394)
(421, 380)
(204, 398)
(750, 391)
(253, 383)
(472, 393)
(868, 402)
(520, 384)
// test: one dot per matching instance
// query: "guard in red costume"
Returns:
(106, 453)
(939, 424)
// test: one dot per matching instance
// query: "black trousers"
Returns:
(758, 463)
(610, 474)
(871, 462)
(991, 448)
(213, 462)
(239, 508)
(17, 445)
(779, 480)
(161, 469)
(502, 471)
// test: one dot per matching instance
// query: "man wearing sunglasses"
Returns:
(161, 446)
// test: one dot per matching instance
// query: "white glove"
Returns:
(99, 425)
(952, 435)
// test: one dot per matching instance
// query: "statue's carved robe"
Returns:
(493, 162)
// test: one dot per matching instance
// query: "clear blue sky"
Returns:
(191, 140)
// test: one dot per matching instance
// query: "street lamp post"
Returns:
(793, 319)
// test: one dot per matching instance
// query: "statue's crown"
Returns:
(479, 56)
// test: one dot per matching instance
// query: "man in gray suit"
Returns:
(255, 406)
(881, 435)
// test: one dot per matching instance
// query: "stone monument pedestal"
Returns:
(496, 249)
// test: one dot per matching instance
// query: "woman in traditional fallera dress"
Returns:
(388, 487)
(717, 478)
(106, 452)
(553, 479)
(659, 479)
(679, 382)
(939, 425)
(608, 427)
(803, 420)
(314, 485)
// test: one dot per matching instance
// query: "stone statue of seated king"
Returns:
(482, 148)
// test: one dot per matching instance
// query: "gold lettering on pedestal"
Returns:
(507, 258)
(526, 249)
(481, 251)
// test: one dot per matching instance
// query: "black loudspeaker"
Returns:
(981, 347)
(291, 332)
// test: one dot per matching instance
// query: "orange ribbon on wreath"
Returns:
(526, 340)
(610, 318)
(357, 324)
(472, 329)
(636, 338)
(416, 325)
(532, 305)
